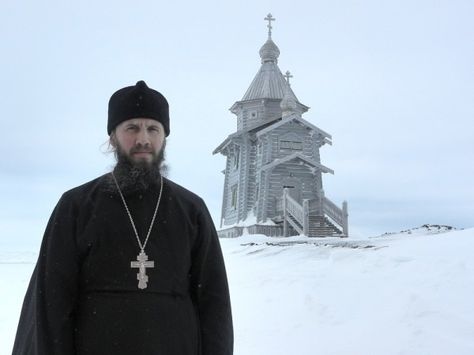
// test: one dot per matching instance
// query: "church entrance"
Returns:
(294, 188)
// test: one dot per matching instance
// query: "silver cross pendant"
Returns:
(142, 264)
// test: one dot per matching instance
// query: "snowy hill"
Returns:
(399, 293)
(403, 293)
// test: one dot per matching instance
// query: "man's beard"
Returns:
(135, 176)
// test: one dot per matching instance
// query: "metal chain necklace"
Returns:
(142, 262)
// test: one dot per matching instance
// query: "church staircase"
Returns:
(315, 218)
(321, 226)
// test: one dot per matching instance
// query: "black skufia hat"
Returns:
(138, 101)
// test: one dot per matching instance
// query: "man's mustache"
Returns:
(141, 149)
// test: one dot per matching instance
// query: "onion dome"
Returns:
(269, 52)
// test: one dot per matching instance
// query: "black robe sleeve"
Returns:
(46, 325)
(210, 290)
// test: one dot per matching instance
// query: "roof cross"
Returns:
(288, 76)
(269, 18)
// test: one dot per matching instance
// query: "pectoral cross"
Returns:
(142, 264)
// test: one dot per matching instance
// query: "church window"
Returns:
(236, 157)
(291, 145)
(291, 142)
(233, 201)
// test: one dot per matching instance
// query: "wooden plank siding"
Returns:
(300, 174)
(243, 178)
(252, 113)
(251, 181)
(303, 133)
(309, 178)
(248, 176)
(231, 214)
(225, 192)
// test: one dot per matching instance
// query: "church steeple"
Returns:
(269, 83)
(269, 51)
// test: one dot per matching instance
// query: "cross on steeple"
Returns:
(288, 76)
(269, 18)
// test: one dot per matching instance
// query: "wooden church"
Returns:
(273, 176)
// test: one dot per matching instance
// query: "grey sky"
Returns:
(391, 81)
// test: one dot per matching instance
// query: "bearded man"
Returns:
(130, 262)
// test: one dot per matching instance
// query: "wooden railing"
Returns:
(292, 213)
(334, 212)
(294, 209)
(315, 206)
(320, 207)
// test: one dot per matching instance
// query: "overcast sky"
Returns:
(391, 81)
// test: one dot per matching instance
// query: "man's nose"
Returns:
(142, 138)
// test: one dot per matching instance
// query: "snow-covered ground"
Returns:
(401, 293)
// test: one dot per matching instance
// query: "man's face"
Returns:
(140, 139)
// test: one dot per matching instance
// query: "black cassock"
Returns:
(83, 297)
